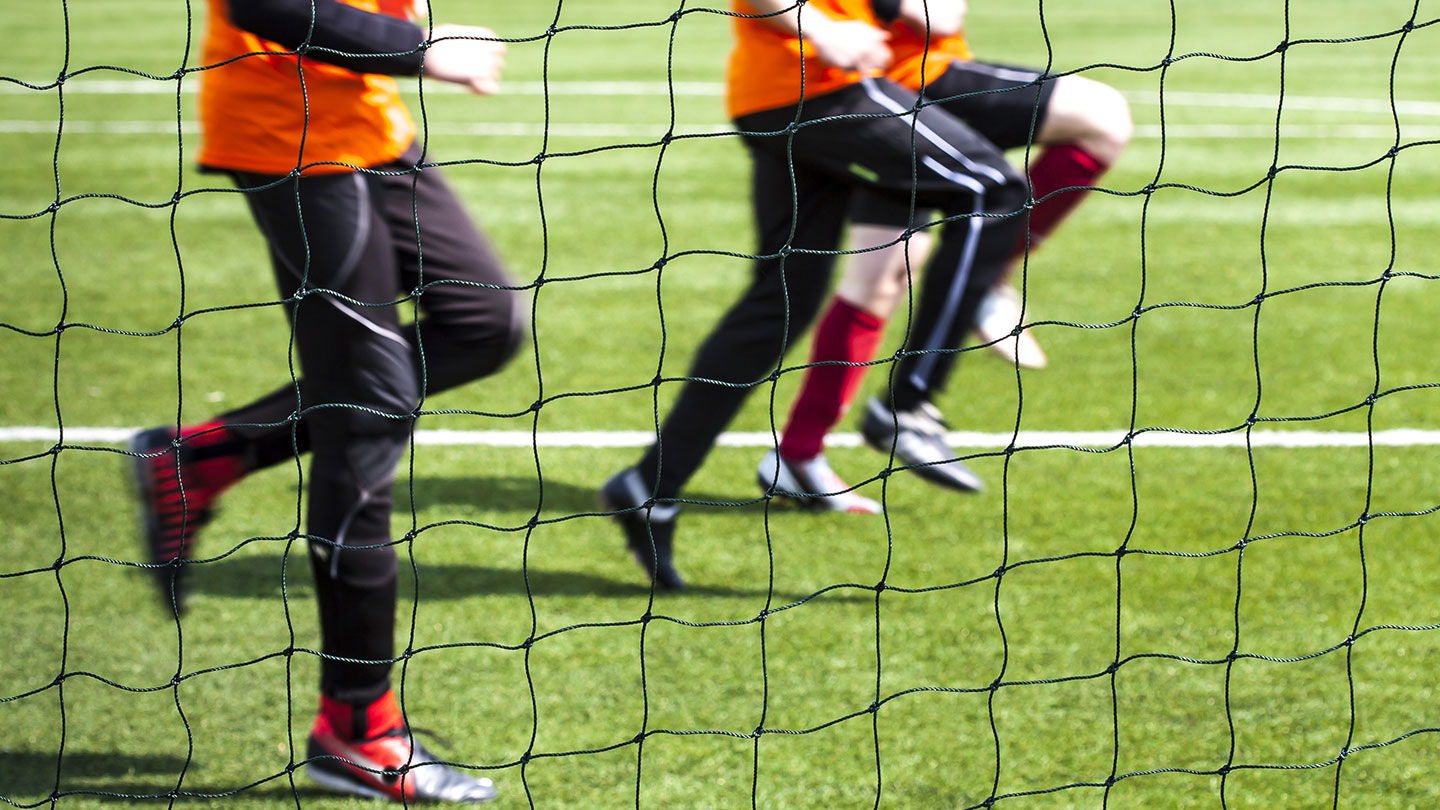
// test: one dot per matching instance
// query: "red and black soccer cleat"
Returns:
(178, 484)
(370, 751)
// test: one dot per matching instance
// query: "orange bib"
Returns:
(273, 114)
(766, 63)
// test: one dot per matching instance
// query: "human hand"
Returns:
(466, 55)
(847, 44)
(944, 18)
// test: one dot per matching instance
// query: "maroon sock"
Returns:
(213, 456)
(359, 721)
(1060, 166)
(846, 333)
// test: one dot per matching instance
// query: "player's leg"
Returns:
(873, 283)
(785, 292)
(335, 256)
(472, 319)
(333, 261)
(1086, 125)
(964, 175)
(182, 474)
(937, 162)
(1080, 127)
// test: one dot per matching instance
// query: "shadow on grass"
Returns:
(258, 576)
(28, 778)
(255, 571)
(520, 496)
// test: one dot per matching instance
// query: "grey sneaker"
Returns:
(995, 323)
(811, 485)
(918, 439)
(393, 766)
(649, 527)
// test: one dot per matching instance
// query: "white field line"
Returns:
(715, 89)
(653, 132)
(166, 87)
(1402, 437)
(1178, 98)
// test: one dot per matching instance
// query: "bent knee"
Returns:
(1091, 114)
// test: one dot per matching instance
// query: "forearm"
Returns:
(941, 18)
(354, 34)
(843, 42)
(785, 15)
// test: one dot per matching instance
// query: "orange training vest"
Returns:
(253, 110)
(911, 57)
(765, 63)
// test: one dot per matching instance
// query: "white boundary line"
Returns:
(1176, 98)
(654, 131)
(1402, 437)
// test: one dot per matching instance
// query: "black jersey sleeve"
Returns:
(887, 11)
(355, 35)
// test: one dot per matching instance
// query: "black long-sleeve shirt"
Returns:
(352, 38)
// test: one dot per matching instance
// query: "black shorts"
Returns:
(1003, 104)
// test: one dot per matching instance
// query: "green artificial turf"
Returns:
(1119, 626)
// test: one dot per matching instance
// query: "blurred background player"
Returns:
(1081, 125)
(345, 245)
(818, 123)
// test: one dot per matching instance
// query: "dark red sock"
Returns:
(213, 456)
(846, 333)
(352, 721)
(1060, 166)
